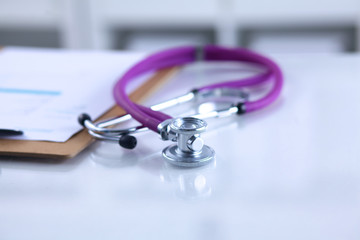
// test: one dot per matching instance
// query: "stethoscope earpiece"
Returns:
(127, 141)
(82, 118)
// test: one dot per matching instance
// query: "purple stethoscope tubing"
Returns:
(189, 54)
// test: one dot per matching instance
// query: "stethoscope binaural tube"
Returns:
(185, 55)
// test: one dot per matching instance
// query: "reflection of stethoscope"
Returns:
(189, 184)
(190, 150)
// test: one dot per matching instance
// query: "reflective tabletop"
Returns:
(291, 171)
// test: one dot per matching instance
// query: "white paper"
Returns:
(42, 91)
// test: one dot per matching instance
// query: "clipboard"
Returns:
(79, 141)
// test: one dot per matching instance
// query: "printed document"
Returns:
(43, 91)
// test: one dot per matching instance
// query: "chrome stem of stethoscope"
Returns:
(101, 127)
(157, 107)
(113, 135)
(227, 112)
(100, 131)
(199, 95)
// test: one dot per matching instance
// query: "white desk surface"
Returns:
(291, 171)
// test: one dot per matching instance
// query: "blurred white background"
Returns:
(295, 26)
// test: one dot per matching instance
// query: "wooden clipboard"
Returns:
(79, 141)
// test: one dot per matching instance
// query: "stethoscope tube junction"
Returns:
(189, 150)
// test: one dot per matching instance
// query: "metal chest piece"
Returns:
(190, 150)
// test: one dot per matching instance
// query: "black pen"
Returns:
(10, 132)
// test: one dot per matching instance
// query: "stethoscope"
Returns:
(189, 150)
